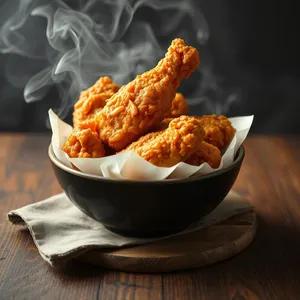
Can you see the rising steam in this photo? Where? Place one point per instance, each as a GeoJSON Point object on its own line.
{"type": "Point", "coordinates": [72, 47]}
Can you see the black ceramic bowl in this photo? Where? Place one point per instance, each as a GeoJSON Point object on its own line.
{"type": "Point", "coordinates": [145, 209]}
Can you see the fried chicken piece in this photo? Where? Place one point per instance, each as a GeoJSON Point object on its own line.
{"type": "Point", "coordinates": [179, 107]}
{"type": "Point", "coordinates": [218, 130]}
{"type": "Point", "coordinates": [93, 100]}
{"type": "Point", "coordinates": [168, 147]}
{"type": "Point", "coordinates": [144, 102]}
{"type": "Point", "coordinates": [84, 143]}
{"type": "Point", "coordinates": [206, 153]}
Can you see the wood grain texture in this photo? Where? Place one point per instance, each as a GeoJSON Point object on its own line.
{"type": "Point", "coordinates": [193, 250]}
{"type": "Point", "coordinates": [268, 269]}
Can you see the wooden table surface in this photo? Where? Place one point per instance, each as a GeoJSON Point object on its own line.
{"type": "Point", "coordinates": [268, 269]}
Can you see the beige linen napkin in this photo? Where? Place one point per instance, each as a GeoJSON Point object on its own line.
{"type": "Point", "coordinates": [61, 232]}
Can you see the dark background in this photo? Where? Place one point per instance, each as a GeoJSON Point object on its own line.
{"type": "Point", "coordinates": [254, 48]}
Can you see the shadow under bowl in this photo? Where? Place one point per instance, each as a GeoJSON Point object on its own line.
{"type": "Point", "coordinates": [146, 208]}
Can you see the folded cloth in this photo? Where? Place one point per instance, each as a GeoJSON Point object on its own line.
{"type": "Point", "coordinates": [61, 231]}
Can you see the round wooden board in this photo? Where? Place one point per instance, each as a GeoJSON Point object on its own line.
{"type": "Point", "coordinates": [193, 250]}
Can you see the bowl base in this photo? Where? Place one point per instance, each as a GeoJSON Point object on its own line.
{"type": "Point", "coordinates": [145, 234]}
{"type": "Point", "coordinates": [192, 250]}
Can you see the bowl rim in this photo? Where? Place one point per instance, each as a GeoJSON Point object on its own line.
{"type": "Point", "coordinates": [239, 158]}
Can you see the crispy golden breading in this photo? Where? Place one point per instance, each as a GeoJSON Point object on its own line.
{"type": "Point", "coordinates": [218, 130]}
{"type": "Point", "coordinates": [93, 100]}
{"type": "Point", "coordinates": [179, 107]}
{"type": "Point", "coordinates": [168, 147]}
{"type": "Point", "coordinates": [206, 153]}
{"type": "Point", "coordinates": [84, 143]}
{"type": "Point", "coordinates": [142, 103]}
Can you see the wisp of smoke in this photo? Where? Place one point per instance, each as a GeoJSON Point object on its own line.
{"type": "Point", "coordinates": [72, 47]}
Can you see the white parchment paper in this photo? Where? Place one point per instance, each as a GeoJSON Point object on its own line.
{"type": "Point", "coordinates": [129, 165]}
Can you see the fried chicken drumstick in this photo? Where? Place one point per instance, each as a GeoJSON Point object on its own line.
{"type": "Point", "coordinates": [144, 102]}
{"type": "Point", "coordinates": [93, 100]}
{"type": "Point", "coordinates": [168, 147]}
